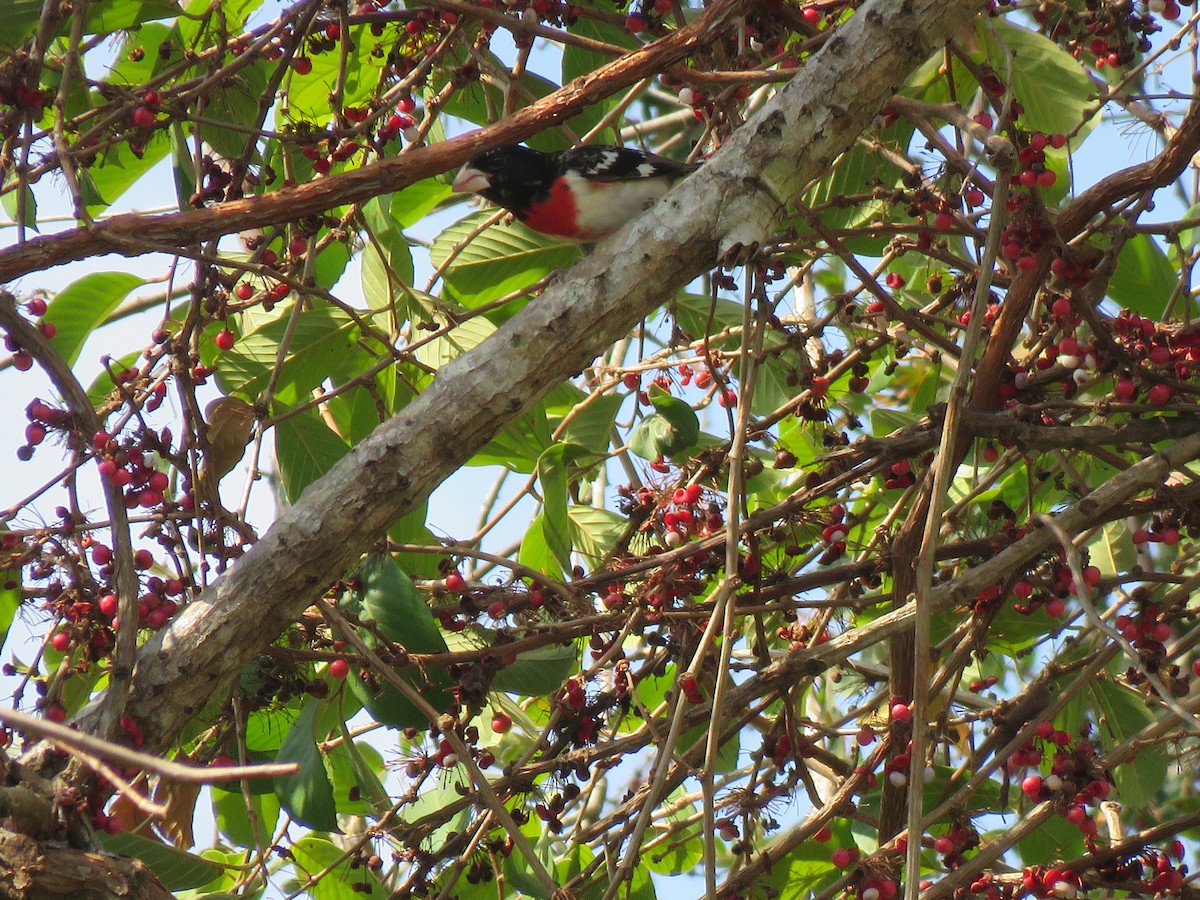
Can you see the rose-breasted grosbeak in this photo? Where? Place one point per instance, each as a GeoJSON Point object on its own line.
{"type": "Point", "coordinates": [582, 195]}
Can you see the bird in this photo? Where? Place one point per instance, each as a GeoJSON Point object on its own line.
{"type": "Point", "coordinates": [579, 195]}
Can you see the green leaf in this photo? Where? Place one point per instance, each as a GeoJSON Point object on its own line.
{"type": "Point", "coordinates": [535, 552]}
{"type": "Point", "coordinates": [411, 529]}
{"type": "Point", "coordinates": [1052, 86]}
{"type": "Point", "coordinates": [594, 532]}
{"type": "Point", "coordinates": [79, 308]}
{"type": "Point", "coordinates": [589, 418]}
{"type": "Point", "coordinates": [236, 100]}
{"type": "Point", "coordinates": [461, 338]}
{"type": "Point", "coordinates": [347, 775]}
{"type": "Point", "coordinates": [305, 449]}
{"type": "Point", "coordinates": [802, 872]}
{"type": "Point", "coordinates": [233, 821]}
{"type": "Point", "coordinates": [120, 15]}
{"type": "Point", "coordinates": [552, 468]}
{"type": "Point", "coordinates": [118, 169]}
{"type": "Point", "coordinates": [308, 795]}
{"type": "Point", "coordinates": [497, 262]}
{"type": "Point", "coordinates": [387, 253]}
{"type": "Point", "coordinates": [519, 446]}
{"type": "Point", "coordinates": [538, 672]}
{"type": "Point", "coordinates": [313, 855]}
{"type": "Point", "coordinates": [10, 596]}
{"type": "Point", "coordinates": [415, 202]}
{"type": "Point", "coordinates": [12, 207]}
{"type": "Point", "coordinates": [577, 62]}
{"type": "Point", "coordinates": [175, 868]}
{"type": "Point", "coordinates": [1144, 278]}
{"type": "Point", "coordinates": [1054, 840]}
{"type": "Point", "coordinates": [19, 22]}
{"type": "Point", "coordinates": [671, 430]}
{"type": "Point", "coordinates": [389, 598]}
{"type": "Point", "coordinates": [1140, 780]}
{"type": "Point", "coordinates": [322, 345]}
{"type": "Point", "coordinates": [861, 172]}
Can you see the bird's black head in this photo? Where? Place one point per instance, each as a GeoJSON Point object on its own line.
{"type": "Point", "coordinates": [511, 176]}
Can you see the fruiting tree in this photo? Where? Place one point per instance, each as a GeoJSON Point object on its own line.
{"type": "Point", "coordinates": [840, 542]}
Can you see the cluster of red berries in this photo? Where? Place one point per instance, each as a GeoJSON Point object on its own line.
{"type": "Point", "coordinates": [1110, 34]}
{"type": "Point", "coordinates": [1026, 234]}
{"type": "Point", "coordinates": [899, 475]}
{"type": "Point", "coordinates": [834, 534]}
{"type": "Point", "coordinates": [954, 844]}
{"type": "Point", "coordinates": [127, 466]}
{"type": "Point", "coordinates": [22, 359]}
{"type": "Point", "coordinates": [1075, 781]}
{"type": "Point", "coordinates": [43, 418]}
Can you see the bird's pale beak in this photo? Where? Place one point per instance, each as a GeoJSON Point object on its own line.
{"type": "Point", "coordinates": [470, 180]}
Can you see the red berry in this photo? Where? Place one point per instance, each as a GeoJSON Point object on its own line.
{"type": "Point", "coordinates": [339, 668]}
{"type": "Point", "coordinates": [501, 722]}
{"type": "Point", "coordinates": [143, 116]}
{"type": "Point", "coordinates": [225, 339]}
{"type": "Point", "coordinates": [1159, 394]}
{"type": "Point", "coordinates": [61, 641]}
{"type": "Point", "coordinates": [455, 582]}
{"type": "Point", "coordinates": [901, 712]}
{"type": "Point", "coordinates": [302, 64]}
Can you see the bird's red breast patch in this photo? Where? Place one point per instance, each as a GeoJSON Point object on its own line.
{"type": "Point", "coordinates": [557, 214]}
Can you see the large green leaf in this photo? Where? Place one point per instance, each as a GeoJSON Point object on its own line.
{"type": "Point", "coordinates": [230, 811]}
{"type": "Point", "coordinates": [538, 672]}
{"type": "Point", "coordinates": [594, 532]}
{"type": "Point", "coordinates": [10, 597]}
{"type": "Point", "coordinates": [519, 445]}
{"type": "Point", "coordinates": [589, 418]}
{"type": "Point", "coordinates": [535, 552]}
{"type": "Point", "coordinates": [175, 868]}
{"type": "Point", "coordinates": [118, 169]}
{"type": "Point", "coordinates": [1144, 278]}
{"type": "Point", "coordinates": [859, 172]}
{"type": "Point", "coordinates": [314, 855]}
{"type": "Point", "coordinates": [1052, 86]}
{"type": "Point", "coordinates": [455, 342]}
{"type": "Point", "coordinates": [83, 305]}
{"type": "Point", "coordinates": [120, 15]}
{"type": "Point", "coordinates": [579, 61]}
{"type": "Point", "coordinates": [1140, 780]}
{"type": "Point", "coordinates": [19, 21]}
{"type": "Point", "coordinates": [497, 262]}
{"type": "Point", "coordinates": [308, 795]}
{"type": "Point", "coordinates": [673, 427]}
{"type": "Point", "coordinates": [305, 449]}
{"type": "Point", "coordinates": [23, 214]}
{"type": "Point", "coordinates": [321, 346]}
{"type": "Point", "coordinates": [387, 259]}
{"type": "Point", "coordinates": [237, 101]}
{"type": "Point", "coordinates": [389, 598]}
{"type": "Point", "coordinates": [553, 473]}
